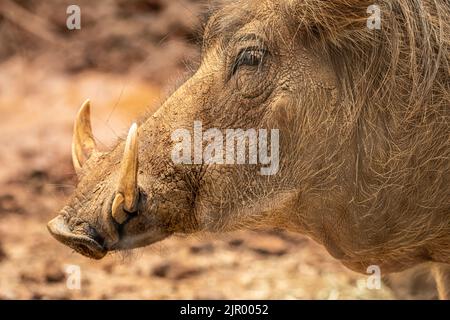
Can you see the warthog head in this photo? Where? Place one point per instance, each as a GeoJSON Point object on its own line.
{"type": "Point", "coordinates": [345, 100]}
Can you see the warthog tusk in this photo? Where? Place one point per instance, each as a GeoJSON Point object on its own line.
{"type": "Point", "coordinates": [126, 195]}
{"type": "Point", "coordinates": [83, 143]}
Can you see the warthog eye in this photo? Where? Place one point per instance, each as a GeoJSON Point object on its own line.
{"type": "Point", "coordinates": [252, 57]}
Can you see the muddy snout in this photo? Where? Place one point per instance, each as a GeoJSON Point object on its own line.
{"type": "Point", "coordinates": [85, 244]}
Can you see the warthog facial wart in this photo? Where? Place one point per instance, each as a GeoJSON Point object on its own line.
{"type": "Point", "coordinates": [236, 146]}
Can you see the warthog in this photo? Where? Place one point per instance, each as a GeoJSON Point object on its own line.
{"type": "Point", "coordinates": [364, 140]}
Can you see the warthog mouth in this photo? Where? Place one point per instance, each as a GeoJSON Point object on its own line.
{"type": "Point", "coordinates": [86, 245]}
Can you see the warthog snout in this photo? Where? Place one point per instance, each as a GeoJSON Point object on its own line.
{"type": "Point", "coordinates": [85, 244]}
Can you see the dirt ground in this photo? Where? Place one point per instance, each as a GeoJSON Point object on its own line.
{"type": "Point", "coordinates": [40, 92]}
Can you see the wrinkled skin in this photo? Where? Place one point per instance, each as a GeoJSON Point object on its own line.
{"type": "Point", "coordinates": [326, 160]}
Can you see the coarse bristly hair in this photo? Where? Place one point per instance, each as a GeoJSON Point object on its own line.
{"type": "Point", "coordinates": [395, 83]}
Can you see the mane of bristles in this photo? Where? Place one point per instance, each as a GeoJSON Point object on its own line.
{"type": "Point", "coordinates": [395, 83]}
{"type": "Point", "coordinates": [406, 62]}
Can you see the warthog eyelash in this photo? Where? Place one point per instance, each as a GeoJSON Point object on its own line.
{"type": "Point", "coordinates": [251, 56]}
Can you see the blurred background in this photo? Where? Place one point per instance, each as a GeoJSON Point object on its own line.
{"type": "Point", "coordinates": [126, 57]}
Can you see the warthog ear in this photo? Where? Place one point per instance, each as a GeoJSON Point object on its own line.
{"type": "Point", "coordinates": [83, 143]}
{"type": "Point", "coordinates": [126, 197]}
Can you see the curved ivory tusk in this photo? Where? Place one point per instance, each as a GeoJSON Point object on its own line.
{"type": "Point", "coordinates": [127, 191]}
{"type": "Point", "coordinates": [83, 143]}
